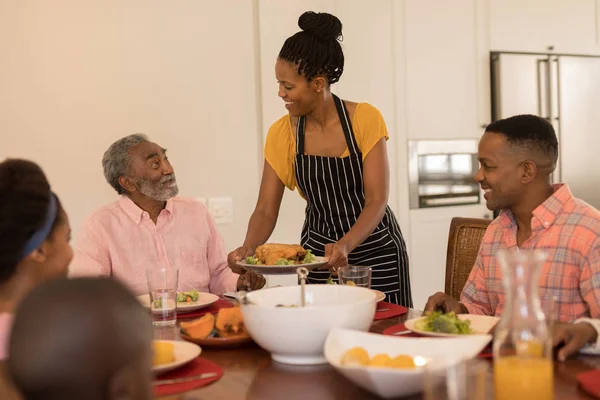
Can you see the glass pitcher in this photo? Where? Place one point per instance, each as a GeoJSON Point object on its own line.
{"type": "Point", "coordinates": [522, 344]}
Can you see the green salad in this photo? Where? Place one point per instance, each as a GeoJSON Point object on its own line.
{"type": "Point", "coordinates": [187, 297]}
{"type": "Point", "coordinates": [252, 260]}
{"type": "Point", "coordinates": [308, 258]}
{"type": "Point", "coordinates": [439, 322]}
{"type": "Point", "coordinates": [182, 297]}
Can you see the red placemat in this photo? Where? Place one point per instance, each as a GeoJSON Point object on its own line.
{"type": "Point", "coordinates": [195, 367]}
{"type": "Point", "coordinates": [590, 382]}
{"type": "Point", "coordinates": [213, 308]}
{"type": "Point", "coordinates": [394, 330]}
{"type": "Point", "coordinates": [393, 310]}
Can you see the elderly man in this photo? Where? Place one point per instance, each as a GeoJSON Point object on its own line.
{"type": "Point", "coordinates": [149, 227]}
{"type": "Point", "coordinates": [517, 157]}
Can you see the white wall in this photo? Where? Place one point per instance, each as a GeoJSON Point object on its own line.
{"type": "Point", "coordinates": [77, 74]}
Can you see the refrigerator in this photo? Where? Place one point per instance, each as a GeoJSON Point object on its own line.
{"type": "Point", "coordinates": [565, 90]}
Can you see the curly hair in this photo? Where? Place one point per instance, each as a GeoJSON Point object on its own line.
{"type": "Point", "coordinates": [316, 49]}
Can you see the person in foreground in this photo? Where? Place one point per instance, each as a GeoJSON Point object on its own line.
{"type": "Point", "coordinates": [150, 227]}
{"type": "Point", "coordinates": [518, 156]}
{"type": "Point", "coordinates": [34, 243]}
{"type": "Point", "coordinates": [334, 152]}
{"type": "Point", "coordinates": [86, 338]}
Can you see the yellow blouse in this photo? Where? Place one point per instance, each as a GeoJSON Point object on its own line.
{"type": "Point", "coordinates": [280, 148]}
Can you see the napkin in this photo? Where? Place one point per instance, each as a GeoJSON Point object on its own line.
{"type": "Point", "coordinates": [213, 309]}
{"type": "Point", "coordinates": [195, 367]}
{"type": "Point", "coordinates": [590, 382]}
{"type": "Point", "coordinates": [393, 310]}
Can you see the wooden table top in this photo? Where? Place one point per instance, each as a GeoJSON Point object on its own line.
{"type": "Point", "coordinates": [249, 373]}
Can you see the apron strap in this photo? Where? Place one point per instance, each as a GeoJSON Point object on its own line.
{"type": "Point", "coordinates": [346, 125]}
{"type": "Point", "coordinates": [300, 134]}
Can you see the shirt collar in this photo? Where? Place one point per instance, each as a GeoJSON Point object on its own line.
{"type": "Point", "coordinates": [546, 213]}
{"type": "Point", "coordinates": [136, 213]}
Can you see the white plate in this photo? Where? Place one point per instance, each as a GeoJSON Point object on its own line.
{"type": "Point", "coordinates": [204, 300]}
{"type": "Point", "coordinates": [184, 353]}
{"type": "Point", "coordinates": [391, 382]}
{"type": "Point", "coordinates": [380, 296]}
{"type": "Point", "coordinates": [283, 269]}
{"type": "Point", "coordinates": [480, 324]}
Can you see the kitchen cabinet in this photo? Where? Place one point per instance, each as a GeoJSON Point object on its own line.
{"type": "Point", "coordinates": [429, 229]}
{"type": "Point", "coordinates": [568, 26]}
{"type": "Point", "coordinates": [441, 69]}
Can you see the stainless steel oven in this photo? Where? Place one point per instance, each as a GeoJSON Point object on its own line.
{"type": "Point", "coordinates": [442, 173]}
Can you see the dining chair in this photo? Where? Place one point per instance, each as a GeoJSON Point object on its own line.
{"type": "Point", "coordinates": [463, 245]}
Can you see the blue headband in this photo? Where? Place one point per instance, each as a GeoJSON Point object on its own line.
{"type": "Point", "coordinates": [41, 234]}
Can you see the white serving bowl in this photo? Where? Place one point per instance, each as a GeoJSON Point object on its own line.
{"type": "Point", "coordinates": [391, 382]}
{"type": "Point", "coordinates": [297, 335]}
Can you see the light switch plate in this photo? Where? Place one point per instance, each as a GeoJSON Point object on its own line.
{"type": "Point", "coordinates": [221, 209]}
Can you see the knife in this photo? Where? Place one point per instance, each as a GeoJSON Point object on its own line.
{"type": "Point", "coordinates": [185, 379]}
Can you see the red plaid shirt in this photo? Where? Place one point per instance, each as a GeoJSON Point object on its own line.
{"type": "Point", "coordinates": [568, 230]}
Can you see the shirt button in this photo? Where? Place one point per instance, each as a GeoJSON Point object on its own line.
{"type": "Point", "coordinates": [546, 224]}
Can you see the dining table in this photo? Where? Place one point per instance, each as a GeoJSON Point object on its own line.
{"type": "Point", "coordinates": [250, 373]}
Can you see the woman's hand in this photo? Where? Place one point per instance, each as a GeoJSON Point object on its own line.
{"type": "Point", "coordinates": [336, 255]}
{"type": "Point", "coordinates": [250, 281]}
{"type": "Point", "coordinates": [237, 255]}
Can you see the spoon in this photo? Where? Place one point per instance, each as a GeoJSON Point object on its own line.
{"type": "Point", "coordinates": [302, 274]}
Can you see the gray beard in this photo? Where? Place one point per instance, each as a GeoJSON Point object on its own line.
{"type": "Point", "coordinates": [156, 191]}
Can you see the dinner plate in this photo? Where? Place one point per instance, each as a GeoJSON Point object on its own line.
{"type": "Point", "coordinates": [218, 342]}
{"type": "Point", "coordinates": [480, 324]}
{"type": "Point", "coordinates": [184, 353]}
{"type": "Point", "coordinates": [204, 300]}
{"type": "Point", "coordinates": [380, 296]}
{"type": "Point", "coordinates": [283, 269]}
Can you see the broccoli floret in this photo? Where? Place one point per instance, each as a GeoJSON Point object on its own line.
{"type": "Point", "coordinates": [252, 260]}
{"type": "Point", "coordinates": [445, 324]}
{"type": "Point", "coordinates": [308, 258]}
{"type": "Point", "coordinates": [193, 294]}
{"type": "Point", "coordinates": [284, 261]}
{"type": "Point", "coordinates": [180, 297]}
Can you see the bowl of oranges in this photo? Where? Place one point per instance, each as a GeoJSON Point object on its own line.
{"type": "Point", "coordinates": [391, 366]}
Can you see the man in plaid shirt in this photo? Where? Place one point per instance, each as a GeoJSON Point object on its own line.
{"type": "Point", "coordinates": [517, 156]}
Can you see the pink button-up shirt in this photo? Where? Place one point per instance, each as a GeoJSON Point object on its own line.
{"type": "Point", "coordinates": [121, 240]}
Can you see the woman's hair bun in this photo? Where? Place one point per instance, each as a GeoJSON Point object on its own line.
{"type": "Point", "coordinates": [322, 25]}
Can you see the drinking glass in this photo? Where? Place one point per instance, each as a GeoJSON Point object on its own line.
{"type": "Point", "coordinates": [359, 276]}
{"type": "Point", "coordinates": [162, 285]}
{"type": "Point", "coordinates": [452, 379]}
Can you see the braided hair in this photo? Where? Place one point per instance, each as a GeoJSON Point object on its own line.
{"type": "Point", "coordinates": [316, 49]}
{"type": "Point", "coordinates": [24, 201]}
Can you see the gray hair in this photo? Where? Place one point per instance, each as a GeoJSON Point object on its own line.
{"type": "Point", "coordinates": [117, 162]}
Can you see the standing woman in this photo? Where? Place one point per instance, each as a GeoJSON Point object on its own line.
{"type": "Point", "coordinates": [334, 152]}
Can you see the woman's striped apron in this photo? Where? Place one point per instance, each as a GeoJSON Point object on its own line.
{"type": "Point", "coordinates": [333, 188]}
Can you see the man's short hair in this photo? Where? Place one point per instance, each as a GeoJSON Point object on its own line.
{"type": "Point", "coordinates": [117, 162]}
{"type": "Point", "coordinates": [529, 132]}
